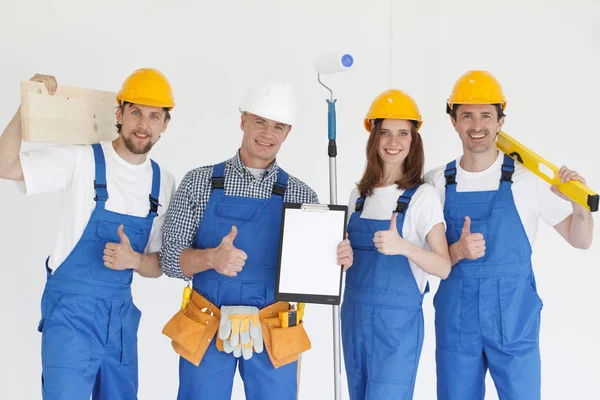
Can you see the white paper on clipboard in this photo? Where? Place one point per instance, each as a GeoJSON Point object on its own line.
{"type": "Point", "coordinates": [308, 269]}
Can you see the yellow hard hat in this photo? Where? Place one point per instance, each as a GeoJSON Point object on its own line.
{"type": "Point", "coordinates": [393, 104]}
{"type": "Point", "coordinates": [476, 87]}
{"type": "Point", "coordinates": [148, 87]}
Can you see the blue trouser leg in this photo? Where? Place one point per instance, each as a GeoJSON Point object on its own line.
{"type": "Point", "coordinates": [397, 342]}
{"type": "Point", "coordinates": [66, 384]}
{"type": "Point", "coordinates": [262, 381]}
{"type": "Point", "coordinates": [516, 375]}
{"type": "Point", "coordinates": [212, 380]}
{"type": "Point", "coordinates": [89, 347]}
{"type": "Point", "coordinates": [117, 378]}
{"type": "Point", "coordinates": [460, 375]}
{"type": "Point", "coordinates": [353, 343]}
{"type": "Point", "coordinates": [70, 346]}
{"type": "Point", "coordinates": [382, 348]}
{"type": "Point", "coordinates": [460, 360]}
{"type": "Point", "coordinates": [513, 352]}
{"type": "Point", "coordinates": [495, 323]}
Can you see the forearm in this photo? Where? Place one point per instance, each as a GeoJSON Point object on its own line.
{"type": "Point", "coordinates": [429, 261]}
{"type": "Point", "coordinates": [10, 147]}
{"type": "Point", "coordinates": [581, 229]}
{"type": "Point", "coordinates": [194, 261]}
{"type": "Point", "coordinates": [148, 266]}
{"type": "Point", "coordinates": [455, 254]}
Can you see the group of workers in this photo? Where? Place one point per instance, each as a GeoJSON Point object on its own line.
{"type": "Point", "coordinates": [471, 223]}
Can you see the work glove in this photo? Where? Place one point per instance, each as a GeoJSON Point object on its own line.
{"type": "Point", "coordinates": [240, 330]}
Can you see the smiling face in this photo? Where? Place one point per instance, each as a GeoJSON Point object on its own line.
{"type": "Point", "coordinates": [477, 126]}
{"type": "Point", "coordinates": [141, 126]}
{"type": "Point", "coordinates": [262, 139]}
{"type": "Point", "coordinates": [394, 142]}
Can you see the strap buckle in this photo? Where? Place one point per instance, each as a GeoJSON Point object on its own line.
{"type": "Point", "coordinates": [154, 204]}
{"type": "Point", "coordinates": [402, 204]}
{"type": "Point", "coordinates": [218, 182]}
{"type": "Point", "coordinates": [507, 173]}
{"type": "Point", "coordinates": [101, 186]}
{"type": "Point", "coordinates": [450, 175]}
{"type": "Point", "coordinates": [279, 189]}
{"type": "Point", "coordinates": [360, 203]}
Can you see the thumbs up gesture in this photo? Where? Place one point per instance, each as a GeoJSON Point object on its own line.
{"type": "Point", "coordinates": [229, 260]}
{"type": "Point", "coordinates": [121, 256]}
{"type": "Point", "coordinates": [470, 245]}
{"type": "Point", "coordinates": [390, 242]}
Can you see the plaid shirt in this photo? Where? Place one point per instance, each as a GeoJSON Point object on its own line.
{"type": "Point", "coordinates": [188, 205]}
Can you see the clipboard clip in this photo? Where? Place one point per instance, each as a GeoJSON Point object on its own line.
{"type": "Point", "coordinates": [315, 207]}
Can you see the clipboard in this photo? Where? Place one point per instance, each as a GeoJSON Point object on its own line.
{"type": "Point", "coordinates": [307, 269]}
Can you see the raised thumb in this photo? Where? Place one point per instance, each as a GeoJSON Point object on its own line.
{"type": "Point", "coordinates": [393, 223]}
{"type": "Point", "coordinates": [233, 233]}
{"type": "Point", "coordinates": [122, 235]}
{"type": "Point", "coordinates": [467, 226]}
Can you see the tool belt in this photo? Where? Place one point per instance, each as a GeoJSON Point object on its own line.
{"type": "Point", "coordinates": [192, 330]}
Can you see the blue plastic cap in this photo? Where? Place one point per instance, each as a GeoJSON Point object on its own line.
{"type": "Point", "coordinates": [347, 60]}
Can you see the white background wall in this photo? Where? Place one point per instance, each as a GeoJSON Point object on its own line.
{"type": "Point", "coordinates": [545, 53]}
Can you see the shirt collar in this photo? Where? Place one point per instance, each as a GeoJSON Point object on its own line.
{"type": "Point", "coordinates": [243, 171]}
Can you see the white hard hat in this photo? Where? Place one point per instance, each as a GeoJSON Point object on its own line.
{"type": "Point", "coordinates": [273, 100]}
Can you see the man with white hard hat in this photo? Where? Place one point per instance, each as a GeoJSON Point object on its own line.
{"type": "Point", "coordinates": [222, 232]}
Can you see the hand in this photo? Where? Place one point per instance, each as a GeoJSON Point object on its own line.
{"type": "Point", "coordinates": [390, 242]}
{"type": "Point", "coordinates": [228, 259]}
{"type": "Point", "coordinates": [566, 175]}
{"type": "Point", "coordinates": [345, 255]}
{"type": "Point", "coordinates": [470, 245]}
{"type": "Point", "coordinates": [121, 256]}
{"type": "Point", "coordinates": [48, 81]}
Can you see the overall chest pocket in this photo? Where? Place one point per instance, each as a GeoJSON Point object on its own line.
{"type": "Point", "coordinates": [107, 232]}
{"type": "Point", "coordinates": [482, 217]}
{"type": "Point", "coordinates": [251, 224]}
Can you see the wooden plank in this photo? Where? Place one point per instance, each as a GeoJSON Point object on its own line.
{"type": "Point", "coordinates": [71, 116]}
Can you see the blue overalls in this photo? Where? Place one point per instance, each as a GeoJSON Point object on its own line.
{"type": "Point", "coordinates": [487, 313]}
{"type": "Point", "coordinates": [258, 222]}
{"type": "Point", "coordinates": [382, 318]}
{"type": "Point", "coordinates": [89, 322]}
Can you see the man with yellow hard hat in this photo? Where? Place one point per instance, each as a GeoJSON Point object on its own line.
{"type": "Point", "coordinates": [488, 309]}
{"type": "Point", "coordinates": [111, 227]}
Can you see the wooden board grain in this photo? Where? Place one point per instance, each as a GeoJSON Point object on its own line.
{"type": "Point", "coordinates": [71, 116]}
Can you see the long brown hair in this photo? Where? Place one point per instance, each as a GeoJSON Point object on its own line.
{"type": "Point", "coordinates": [414, 163]}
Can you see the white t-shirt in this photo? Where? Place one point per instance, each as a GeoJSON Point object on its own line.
{"type": "Point", "coordinates": [532, 195]}
{"type": "Point", "coordinates": [71, 170]}
{"type": "Point", "coordinates": [257, 173]}
{"type": "Point", "coordinates": [423, 213]}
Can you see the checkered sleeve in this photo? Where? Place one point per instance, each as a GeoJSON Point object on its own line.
{"type": "Point", "coordinates": [183, 219]}
{"type": "Point", "coordinates": [300, 192]}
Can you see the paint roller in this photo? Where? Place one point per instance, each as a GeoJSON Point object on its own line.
{"type": "Point", "coordinates": [329, 64]}
{"type": "Point", "coordinates": [333, 62]}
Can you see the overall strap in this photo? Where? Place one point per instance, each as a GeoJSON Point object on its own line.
{"type": "Point", "coordinates": [155, 190]}
{"type": "Point", "coordinates": [100, 177]}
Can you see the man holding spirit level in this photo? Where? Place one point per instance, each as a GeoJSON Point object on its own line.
{"type": "Point", "coordinates": [488, 310]}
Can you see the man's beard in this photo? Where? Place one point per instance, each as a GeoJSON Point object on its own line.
{"type": "Point", "coordinates": [137, 150]}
